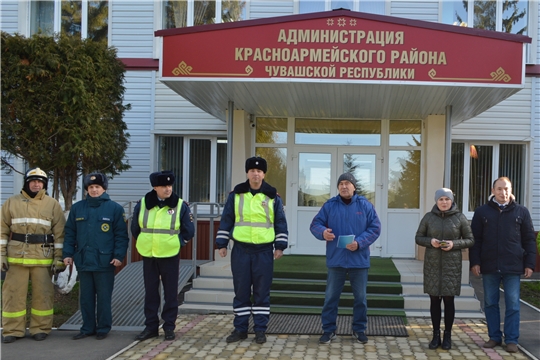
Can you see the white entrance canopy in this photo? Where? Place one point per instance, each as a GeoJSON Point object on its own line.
{"type": "Point", "coordinates": [339, 100]}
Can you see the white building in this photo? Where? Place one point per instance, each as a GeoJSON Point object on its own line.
{"type": "Point", "coordinates": [393, 133]}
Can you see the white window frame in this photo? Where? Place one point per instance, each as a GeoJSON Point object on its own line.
{"type": "Point", "coordinates": [57, 21]}
{"type": "Point", "coordinates": [532, 24]}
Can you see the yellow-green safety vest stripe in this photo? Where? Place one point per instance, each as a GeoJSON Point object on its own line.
{"type": "Point", "coordinates": [254, 218]}
{"type": "Point", "coordinates": [160, 228]}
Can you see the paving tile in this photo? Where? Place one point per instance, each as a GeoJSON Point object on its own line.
{"type": "Point", "coordinates": [203, 337]}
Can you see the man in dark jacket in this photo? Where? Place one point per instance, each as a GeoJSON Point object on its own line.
{"type": "Point", "coordinates": [253, 217]}
{"type": "Point", "coordinates": [349, 224]}
{"type": "Point", "coordinates": [96, 240]}
{"type": "Point", "coordinates": [162, 224]}
{"type": "Point", "coordinates": [504, 249]}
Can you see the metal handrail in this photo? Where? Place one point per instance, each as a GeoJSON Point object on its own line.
{"type": "Point", "coordinates": [194, 206]}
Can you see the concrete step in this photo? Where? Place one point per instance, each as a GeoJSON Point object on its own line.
{"type": "Point", "coordinates": [217, 269]}
{"type": "Point", "coordinates": [213, 290]}
{"type": "Point", "coordinates": [418, 289]}
{"type": "Point", "coordinates": [208, 283]}
{"type": "Point", "coordinates": [201, 296]}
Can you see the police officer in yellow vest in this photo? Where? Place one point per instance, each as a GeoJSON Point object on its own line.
{"type": "Point", "coordinates": [31, 243]}
{"type": "Point", "coordinates": [162, 223]}
{"type": "Point", "coordinates": [254, 219]}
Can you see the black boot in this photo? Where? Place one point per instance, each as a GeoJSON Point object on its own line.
{"type": "Point", "coordinates": [436, 341]}
{"type": "Point", "coordinates": [447, 340]}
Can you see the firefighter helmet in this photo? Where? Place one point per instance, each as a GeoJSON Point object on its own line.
{"type": "Point", "coordinates": [36, 174]}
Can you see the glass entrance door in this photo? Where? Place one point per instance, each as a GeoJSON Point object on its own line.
{"type": "Point", "coordinates": [317, 171]}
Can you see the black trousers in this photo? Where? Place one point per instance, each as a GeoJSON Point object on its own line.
{"type": "Point", "coordinates": [166, 269]}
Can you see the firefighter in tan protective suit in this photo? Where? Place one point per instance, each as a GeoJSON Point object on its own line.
{"type": "Point", "coordinates": [31, 240]}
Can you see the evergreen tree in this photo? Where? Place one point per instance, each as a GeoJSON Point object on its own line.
{"type": "Point", "coordinates": [62, 107]}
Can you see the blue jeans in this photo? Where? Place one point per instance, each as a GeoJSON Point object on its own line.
{"type": "Point", "coordinates": [491, 306]}
{"type": "Point", "coordinates": [334, 286]}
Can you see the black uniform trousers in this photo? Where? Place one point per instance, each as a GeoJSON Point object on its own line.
{"type": "Point", "coordinates": [252, 268]}
{"type": "Point", "coordinates": [168, 270]}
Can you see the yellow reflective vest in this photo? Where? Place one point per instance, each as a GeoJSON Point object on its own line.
{"type": "Point", "coordinates": [159, 231]}
{"type": "Point", "coordinates": [254, 218]}
{"type": "Point", "coordinates": [40, 215]}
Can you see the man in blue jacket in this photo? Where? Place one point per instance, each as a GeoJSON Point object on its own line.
{"type": "Point", "coordinates": [504, 249]}
{"type": "Point", "coordinates": [96, 240]}
{"type": "Point", "coordinates": [253, 217]}
{"type": "Point", "coordinates": [353, 217]}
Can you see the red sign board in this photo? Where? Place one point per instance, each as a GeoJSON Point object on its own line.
{"type": "Point", "coordinates": [342, 47]}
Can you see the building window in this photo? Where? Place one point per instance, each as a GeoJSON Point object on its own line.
{"type": "Point", "coordinates": [337, 132]}
{"type": "Point", "coordinates": [271, 131]}
{"type": "Point", "coordinates": [404, 164]}
{"type": "Point", "coordinates": [500, 15]}
{"type": "Point", "coordinates": [86, 19]}
{"type": "Point", "coordinates": [204, 180]}
{"type": "Point", "coordinates": [476, 166]}
{"type": "Point", "coordinates": [367, 6]}
{"type": "Point", "coordinates": [177, 14]}
{"type": "Point", "coordinates": [277, 168]}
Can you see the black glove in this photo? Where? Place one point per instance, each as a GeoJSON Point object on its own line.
{"type": "Point", "coordinates": [5, 265]}
{"type": "Point", "coordinates": [57, 266]}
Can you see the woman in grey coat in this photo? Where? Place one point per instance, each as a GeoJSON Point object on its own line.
{"type": "Point", "coordinates": [443, 231]}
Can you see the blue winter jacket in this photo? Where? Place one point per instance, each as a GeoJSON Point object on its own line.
{"type": "Point", "coordinates": [357, 218]}
{"type": "Point", "coordinates": [95, 234]}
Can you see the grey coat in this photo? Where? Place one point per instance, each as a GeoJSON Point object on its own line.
{"type": "Point", "coordinates": [442, 269]}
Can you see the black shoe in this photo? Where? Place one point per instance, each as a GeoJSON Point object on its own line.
{"type": "Point", "coordinates": [327, 337]}
{"type": "Point", "coordinates": [80, 336]}
{"type": "Point", "coordinates": [146, 334]}
{"type": "Point", "coordinates": [9, 339]}
{"type": "Point", "coordinates": [436, 341]}
{"type": "Point", "coordinates": [170, 335]}
{"type": "Point", "coordinates": [260, 337]}
{"type": "Point", "coordinates": [360, 337]}
{"type": "Point", "coordinates": [447, 340]}
{"type": "Point", "coordinates": [236, 336]}
{"type": "Point", "coordinates": [40, 336]}
{"type": "Point", "coordinates": [101, 336]}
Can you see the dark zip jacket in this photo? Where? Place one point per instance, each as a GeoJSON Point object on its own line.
{"type": "Point", "coordinates": [504, 239]}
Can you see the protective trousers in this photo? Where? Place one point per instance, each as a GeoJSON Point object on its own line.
{"type": "Point", "coordinates": [14, 293]}
{"type": "Point", "coordinates": [251, 268]}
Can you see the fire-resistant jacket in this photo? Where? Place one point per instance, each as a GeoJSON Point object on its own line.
{"type": "Point", "coordinates": [256, 219]}
{"type": "Point", "coordinates": [503, 239]}
{"type": "Point", "coordinates": [96, 233]}
{"type": "Point", "coordinates": [41, 215]}
{"type": "Point", "coordinates": [357, 218]}
{"type": "Point", "coordinates": [442, 269]}
{"type": "Point", "coordinates": [161, 237]}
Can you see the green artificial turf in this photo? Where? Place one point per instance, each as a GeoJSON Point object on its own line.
{"type": "Point", "coordinates": [314, 267]}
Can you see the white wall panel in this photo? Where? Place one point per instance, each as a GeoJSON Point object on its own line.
{"type": "Point", "coordinates": [535, 208]}
{"type": "Point", "coordinates": [174, 114]}
{"type": "Point", "coordinates": [418, 10]}
{"type": "Point", "coordinates": [509, 120]}
{"type": "Point", "coordinates": [132, 184]}
{"type": "Point", "coordinates": [264, 9]}
{"type": "Point", "coordinates": [6, 185]}
{"type": "Point", "coordinates": [9, 13]}
{"type": "Point", "coordinates": [132, 28]}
